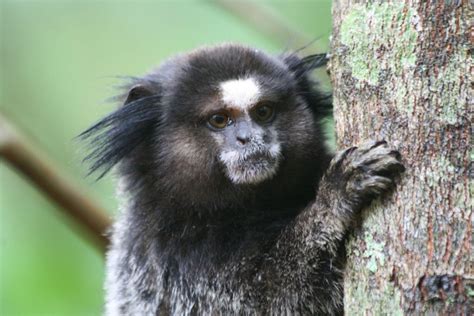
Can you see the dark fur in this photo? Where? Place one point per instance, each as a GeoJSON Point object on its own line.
{"type": "Point", "coordinates": [189, 241]}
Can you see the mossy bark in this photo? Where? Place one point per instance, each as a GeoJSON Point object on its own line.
{"type": "Point", "coordinates": [401, 72]}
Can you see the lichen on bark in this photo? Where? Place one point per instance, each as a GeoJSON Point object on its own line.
{"type": "Point", "coordinates": [392, 22]}
{"type": "Point", "coordinates": [401, 72]}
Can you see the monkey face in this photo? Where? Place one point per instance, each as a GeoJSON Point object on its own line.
{"type": "Point", "coordinates": [224, 114]}
{"type": "Point", "coordinates": [243, 129]}
{"type": "Point", "coordinates": [238, 99]}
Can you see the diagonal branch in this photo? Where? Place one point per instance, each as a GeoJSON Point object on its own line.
{"type": "Point", "coordinates": [33, 165]}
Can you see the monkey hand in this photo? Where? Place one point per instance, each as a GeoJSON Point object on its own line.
{"type": "Point", "coordinates": [360, 174]}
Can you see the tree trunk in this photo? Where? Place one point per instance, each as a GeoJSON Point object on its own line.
{"type": "Point", "coordinates": [401, 72]}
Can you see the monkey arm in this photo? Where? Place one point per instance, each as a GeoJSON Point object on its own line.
{"type": "Point", "coordinates": [309, 247]}
{"type": "Point", "coordinates": [354, 178]}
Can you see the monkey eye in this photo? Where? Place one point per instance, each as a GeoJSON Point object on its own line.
{"type": "Point", "coordinates": [263, 113]}
{"type": "Point", "coordinates": [219, 120]}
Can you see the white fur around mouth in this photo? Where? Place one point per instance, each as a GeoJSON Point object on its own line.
{"type": "Point", "coordinates": [251, 167]}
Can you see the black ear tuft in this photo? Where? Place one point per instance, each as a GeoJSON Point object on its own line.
{"type": "Point", "coordinates": [301, 66]}
{"type": "Point", "coordinates": [319, 101]}
{"type": "Point", "coordinates": [116, 135]}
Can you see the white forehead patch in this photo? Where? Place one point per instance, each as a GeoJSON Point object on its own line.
{"type": "Point", "coordinates": [240, 93]}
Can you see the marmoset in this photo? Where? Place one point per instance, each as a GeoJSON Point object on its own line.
{"type": "Point", "coordinates": [231, 203]}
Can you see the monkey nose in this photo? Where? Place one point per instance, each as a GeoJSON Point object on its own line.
{"type": "Point", "coordinates": [243, 139]}
{"type": "Point", "coordinates": [243, 132]}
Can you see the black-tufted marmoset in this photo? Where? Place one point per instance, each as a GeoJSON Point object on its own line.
{"type": "Point", "coordinates": [231, 204]}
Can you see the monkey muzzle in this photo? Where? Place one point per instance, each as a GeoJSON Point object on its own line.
{"type": "Point", "coordinates": [251, 164]}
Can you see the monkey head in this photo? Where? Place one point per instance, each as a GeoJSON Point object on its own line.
{"type": "Point", "coordinates": [220, 116]}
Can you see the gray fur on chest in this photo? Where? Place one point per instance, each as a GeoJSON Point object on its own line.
{"type": "Point", "coordinates": [153, 287]}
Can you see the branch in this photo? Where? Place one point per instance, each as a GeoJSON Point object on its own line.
{"type": "Point", "coordinates": [266, 21]}
{"type": "Point", "coordinates": [32, 164]}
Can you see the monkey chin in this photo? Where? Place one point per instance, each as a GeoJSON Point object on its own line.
{"type": "Point", "coordinates": [250, 169]}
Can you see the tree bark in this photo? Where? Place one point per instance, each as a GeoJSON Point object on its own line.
{"type": "Point", "coordinates": [401, 72]}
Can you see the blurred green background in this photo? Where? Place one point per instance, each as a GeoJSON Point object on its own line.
{"type": "Point", "coordinates": [59, 63]}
